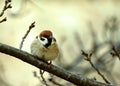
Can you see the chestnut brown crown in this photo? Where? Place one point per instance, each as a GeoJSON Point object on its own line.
{"type": "Point", "coordinates": [45, 33]}
{"type": "Point", "coordinates": [46, 38]}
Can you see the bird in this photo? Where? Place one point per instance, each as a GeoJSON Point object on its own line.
{"type": "Point", "coordinates": [45, 46]}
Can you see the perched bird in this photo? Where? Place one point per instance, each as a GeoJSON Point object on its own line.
{"type": "Point", "coordinates": [44, 46]}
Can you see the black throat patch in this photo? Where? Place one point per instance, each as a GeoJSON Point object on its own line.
{"type": "Point", "coordinates": [49, 42]}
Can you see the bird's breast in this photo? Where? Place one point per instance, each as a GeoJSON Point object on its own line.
{"type": "Point", "coordinates": [50, 53]}
{"type": "Point", "coordinates": [46, 54]}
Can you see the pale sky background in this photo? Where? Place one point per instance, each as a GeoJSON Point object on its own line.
{"type": "Point", "coordinates": [63, 17]}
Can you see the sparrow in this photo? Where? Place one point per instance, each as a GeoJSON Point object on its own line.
{"type": "Point", "coordinates": [44, 46]}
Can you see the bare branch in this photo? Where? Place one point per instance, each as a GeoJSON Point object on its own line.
{"type": "Point", "coordinates": [3, 20]}
{"type": "Point", "coordinates": [6, 6]}
{"type": "Point", "coordinates": [30, 27]}
{"type": "Point", "coordinates": [41, 73]}
{"type": "Point", "coordinates": [51, 79]}
{"type": "Point", "coordinates": [115, 52]}
{"type": "Point", "coordinates": [60, 72]}
{"type": "Point", "coordinates": [88, 58]}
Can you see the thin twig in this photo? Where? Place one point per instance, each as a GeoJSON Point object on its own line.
{"type": "Point", "coordinates": [6, 6]}
{"type": "Point", "coordinates": [30, 27]}
{"type": "Point", "coordinates": [43, 79]}
{"type": "Point", "coordinates": [38, 77]}
{"type": "Point", "coordinates": [51, 79]}
{"type": "Point", "coordinates": [88, 58]}
{"type": "Point", "coordinates": [3, 20]}
{"type": "Point", "coordinates": [115, 52]}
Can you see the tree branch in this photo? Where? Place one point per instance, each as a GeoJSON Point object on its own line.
{"type": "Point", "coordinates": [60, 72]}
{"type": "Point", "coordinates": [24, 37]}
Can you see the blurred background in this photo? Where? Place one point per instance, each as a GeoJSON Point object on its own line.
{"type": "Point", "coordinates": [89, 25]}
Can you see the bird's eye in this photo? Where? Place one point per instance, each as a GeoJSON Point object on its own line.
{"type": "Point", "coordinates": [42, 39]}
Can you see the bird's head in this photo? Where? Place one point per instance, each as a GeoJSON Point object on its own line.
{"type": "Point", "coordinates": [46, 38]}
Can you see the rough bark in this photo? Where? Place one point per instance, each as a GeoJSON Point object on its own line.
{"type": "Point", "coordinates": [58, 71]}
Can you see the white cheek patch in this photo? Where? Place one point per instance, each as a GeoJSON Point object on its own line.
{"type": "Point", "coordinates": [44, 42]}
